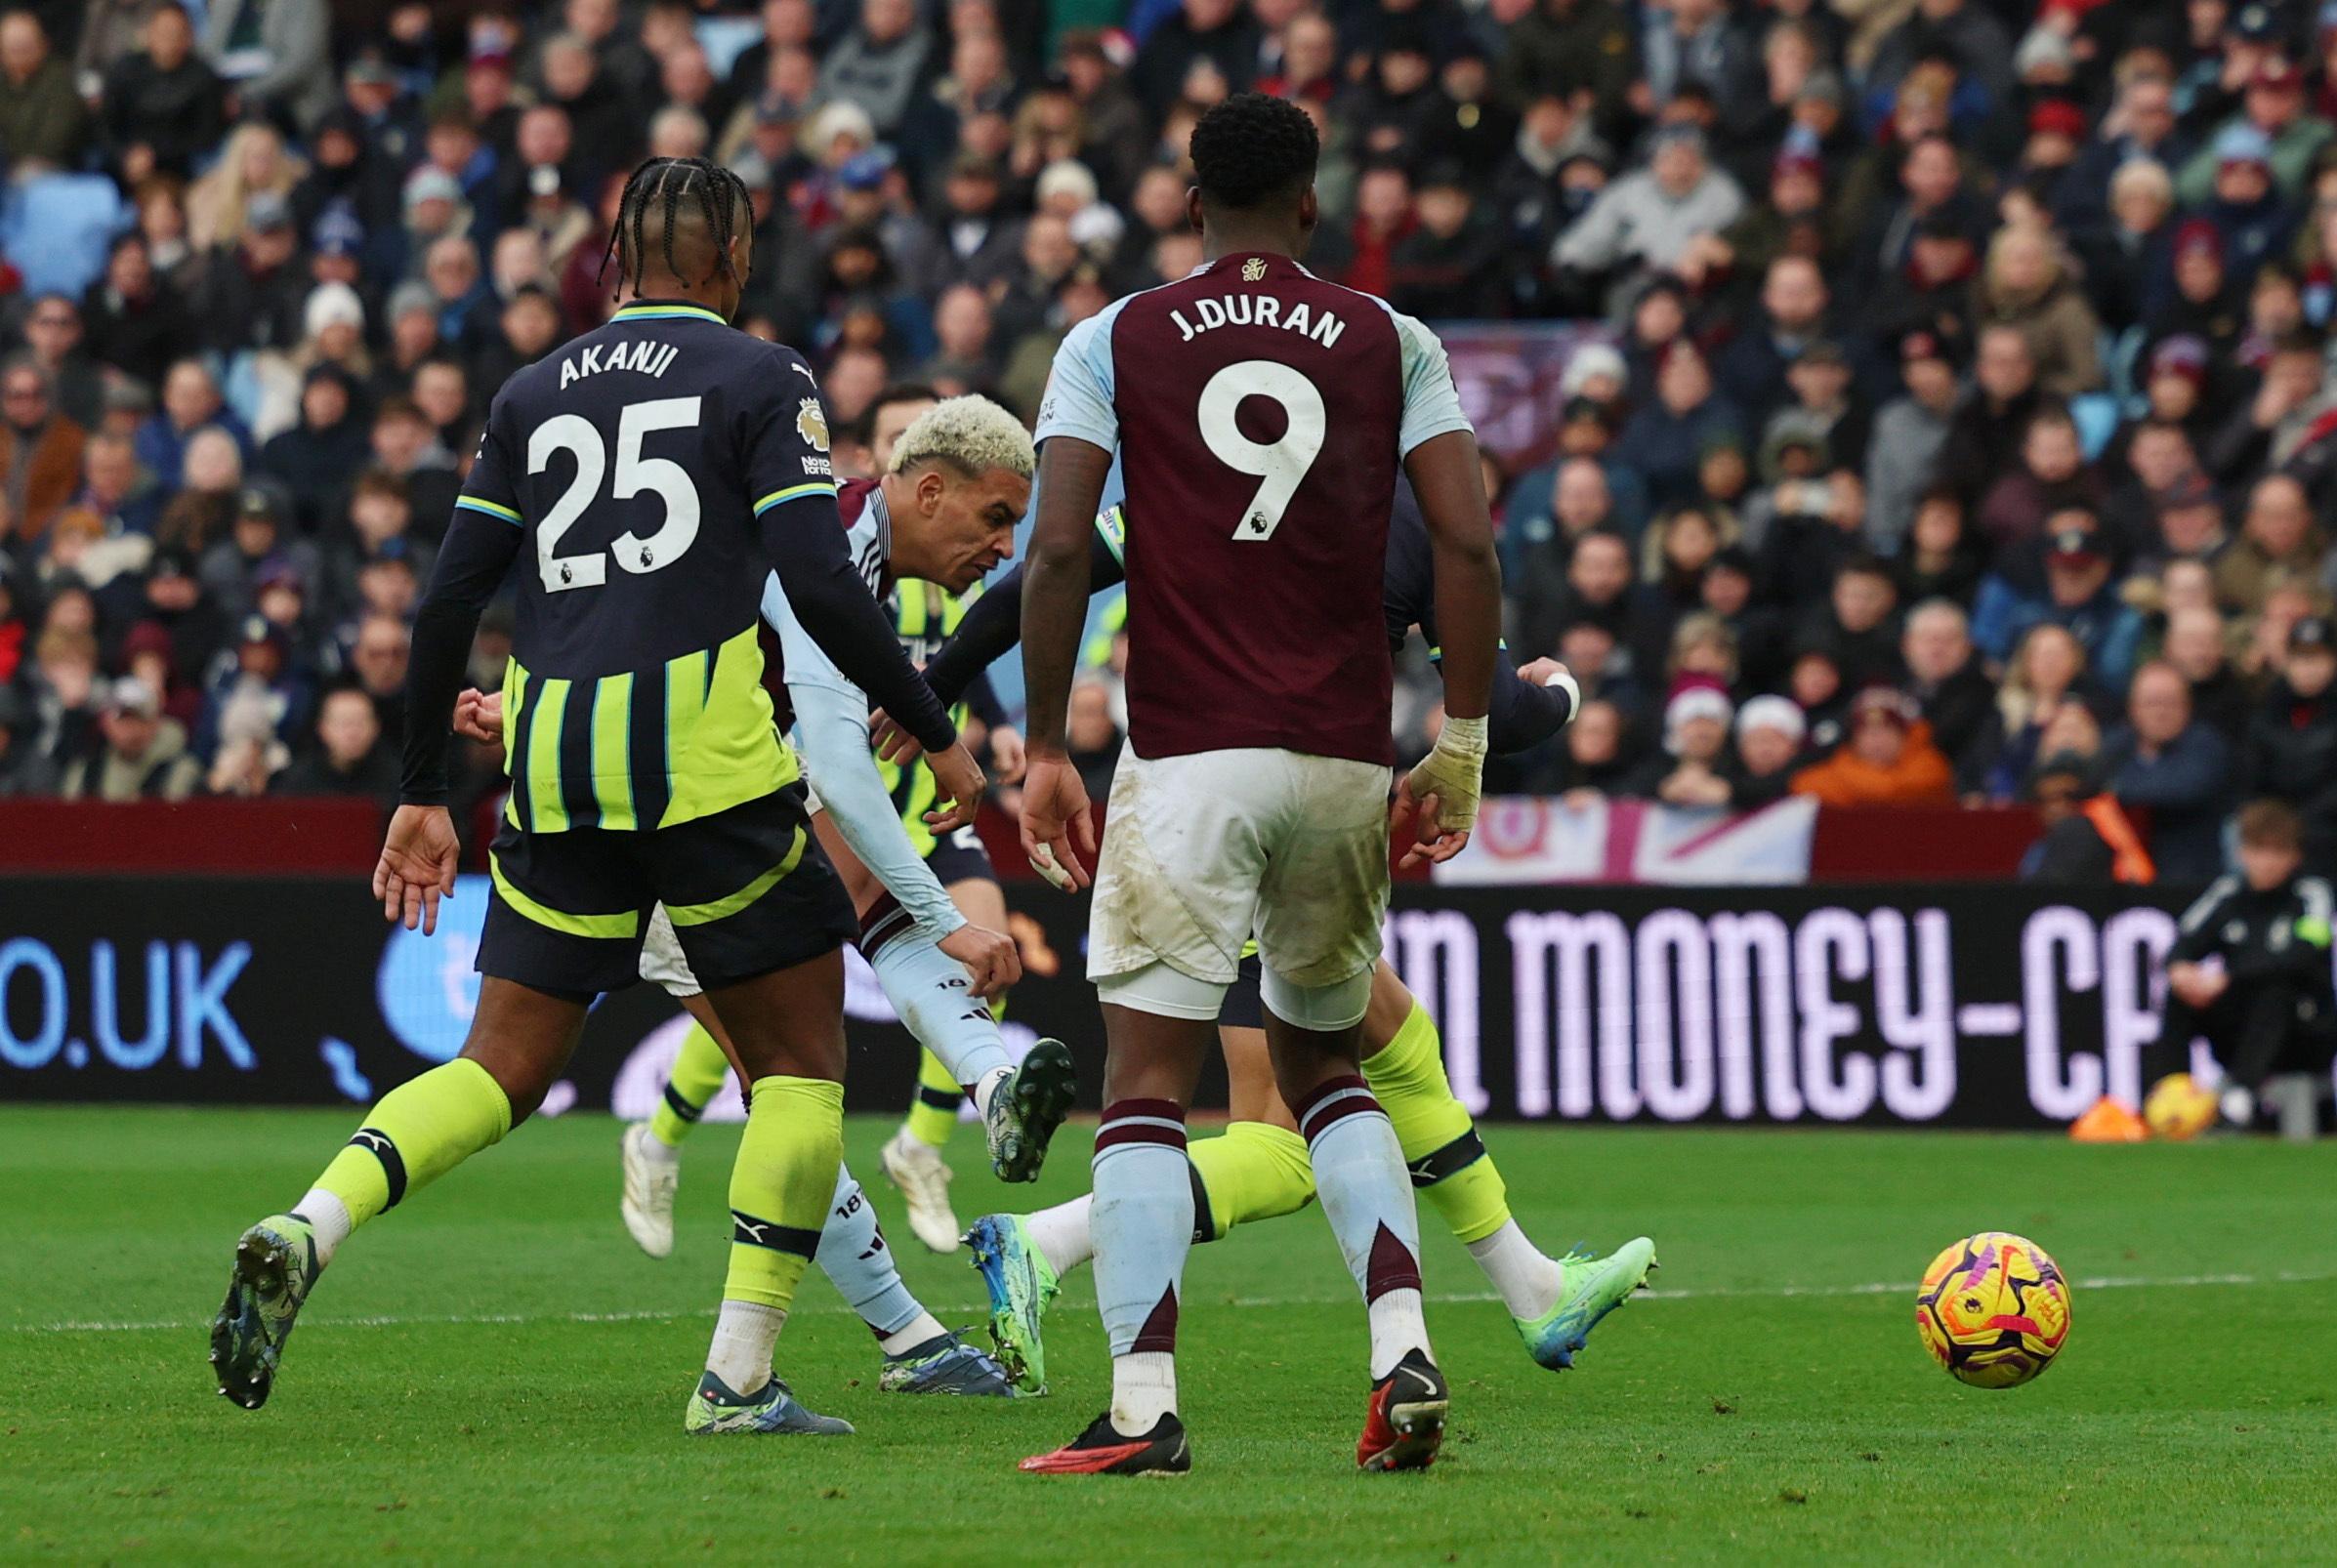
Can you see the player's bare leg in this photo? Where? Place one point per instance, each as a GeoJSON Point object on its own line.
{"type": "Point", "coordinates": [1143, 1222]}
{"type": "Point", "coordinates": [1366, 1196]}
{"type": "Point", "coordinates": [519, 1042]}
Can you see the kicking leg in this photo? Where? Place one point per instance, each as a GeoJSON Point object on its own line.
{"type": "Point", "coordinates": [1555, 1303]}
{"type": "Point", "coordinates": [1020, 1106]}
{"type": "Point", "coordinates": [1255, 1169]}
{"type": "Point", "coordinates": [521, 1040]}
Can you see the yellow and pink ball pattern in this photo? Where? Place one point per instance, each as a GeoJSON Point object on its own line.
{"type": "Point", "coordinates": [1993, 1309]}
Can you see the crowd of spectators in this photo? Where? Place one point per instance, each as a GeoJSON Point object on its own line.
{"type": "Point", "coordinates": [1954, 423]}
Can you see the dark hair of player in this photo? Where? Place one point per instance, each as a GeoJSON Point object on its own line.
{"type": "Point", "coordinates": [899, 391]}
{"type": "Point", "coordinates": [2270, 824]}
{"type": "Point", "coordinates": [1252, 150]}
{"type": "Point", "coordinates": [654, 195]}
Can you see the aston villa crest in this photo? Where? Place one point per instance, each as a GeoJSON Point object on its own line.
{"type": "Point", "coordinates": [1253, 269]}
{"type": "Point", "coordinates": [811, 424]}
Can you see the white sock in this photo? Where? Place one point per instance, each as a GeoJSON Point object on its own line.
{"type": "Point", "coordinates": [928, 988]}
{"type": "Point", "coordinates": [1062, 1234]}
{"type": "Point", "coordinates": [745, 1338]}
{"type": "Point", "coordinates": [1528, 1280]}
{"type": "Point", "coordinates": [328, 1217]}
{"type": "Point", "coordinates": [989, 1087]}
{"type": "Point", "coordinates": [1143, 1389]}
{"type": "Point", "coordinates": [654, 1149]}
{"type": "Point", "coordinates": [925, 1326]}
{"type": "Point", "coordinates": [1397, 1328]}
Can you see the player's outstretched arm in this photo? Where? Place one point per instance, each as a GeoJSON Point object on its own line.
{"type": "Point", "coordinates": [831, 729]}
{"type": "Point", "coordinates": [1056, 819]}
{"type": "Point", "coordinates": [835, 608]}
{"type": "Point", "coordinates": [1441, 794]}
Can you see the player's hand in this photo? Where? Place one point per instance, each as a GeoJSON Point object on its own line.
{"type": "Point", "coordinates": [957, 790]}
{"type": "Point", "coordinates": [1436, 801]}
{"type": "Point", "coordinates": [1008, 755]}
{"type": "Point", "coordinates": [1422, 818]}
{"type": "Point", "coordinates": [893, 743]}
{"type": "Point", "coordinates": [479, 716]}
{"type": "Point", "coordinates": [417, 866]}
{"type": "Point", "coordinates": [1541, 672]}
{"type": "Point", "coordinates": [1058, 827]}
{"type": "Point", "coordinates": [991, 959]}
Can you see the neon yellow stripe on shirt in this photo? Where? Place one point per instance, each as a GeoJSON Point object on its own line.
{"type": "Point", "coordinates": [547, 812]}
{"type": "Point", "coordinates": [612, 750]}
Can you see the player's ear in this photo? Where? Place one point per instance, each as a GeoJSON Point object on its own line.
{"type": "Point", "coordinates": [930, 487]}
{"type": "Point", "coordinates": [1192, 209]}
{"type": "Point", "coordinates": [1309, 211]}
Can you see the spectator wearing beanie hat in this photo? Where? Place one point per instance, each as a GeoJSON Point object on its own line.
{"type": "Point", "coordinates": [2255, 219]}
{"type": "Point", "coordinates": [2202, 302]}
{"type": "Point", "coordinates": [1648, 217]}
{"type": "Point", "coordinates": [1695, 740]}
{"type": "Point", "coordinates": [1771, 732]}
{"type": "Point", "coordinates": [1889, 759]}
{"type": "Point", "coordinates": [2272, 107]}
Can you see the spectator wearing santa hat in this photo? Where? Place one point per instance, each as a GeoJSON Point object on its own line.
{"type": "Point", "coordinates": [1695, 743]}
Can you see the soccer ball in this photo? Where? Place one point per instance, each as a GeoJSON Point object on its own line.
{"type": "Point", "coordinates": [2177, 1108]}
{"type": "Point", "coordinates": [1994, 1310]}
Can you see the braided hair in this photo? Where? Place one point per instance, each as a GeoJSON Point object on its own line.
{"type": "Point", "coordinates": [720, 196]}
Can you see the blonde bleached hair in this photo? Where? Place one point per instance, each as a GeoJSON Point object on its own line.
{"type": "Point", "coordinates": [969, 433]}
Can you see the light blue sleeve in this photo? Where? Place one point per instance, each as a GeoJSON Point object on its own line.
{"type": "Point", "coordinates": [1079, 401]}
{"type": "Point", "coordinates": [1431, 403]}
{"type": "Point", "coordinates": [831, 731]}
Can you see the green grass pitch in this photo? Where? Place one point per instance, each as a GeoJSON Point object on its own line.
{"type": "Point", "coordinates": [492, 1371]}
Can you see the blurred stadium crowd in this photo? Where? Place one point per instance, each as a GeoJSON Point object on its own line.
{"type": "Point", "coordinates": [1964, 426]}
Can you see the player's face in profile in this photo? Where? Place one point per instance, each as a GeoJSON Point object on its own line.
{"type": "Point", "coordinates": [973, 522]}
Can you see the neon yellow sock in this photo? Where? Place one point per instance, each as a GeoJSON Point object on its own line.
{"type": "Point", "coordinates": [699, 1068]}
{"type": "Point", "coordinates": [1252, 1170]}
{"type": "Point", "coordinates": [781, 1184]}
{"type": "Point", "coordinates": [932, 1114]}
{"type": "Point", "coordinates": [1440, 1140]}
{"type": "Point", "coordinates": [415, 1134]}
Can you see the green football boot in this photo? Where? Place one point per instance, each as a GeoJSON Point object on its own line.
{"type": "Point", "coordinates": [1593, 1288]}
{"type": "Point", "coordinates": [1022, 1282]}
{"type": "Point", "coordinates": [714, 1410]}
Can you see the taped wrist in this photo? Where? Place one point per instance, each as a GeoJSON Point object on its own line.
{"type": "Point", "coordinates": [1453, 772]}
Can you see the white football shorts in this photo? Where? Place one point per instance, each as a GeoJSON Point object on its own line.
{"type": "Point", "coordinates": [1202, 851]}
